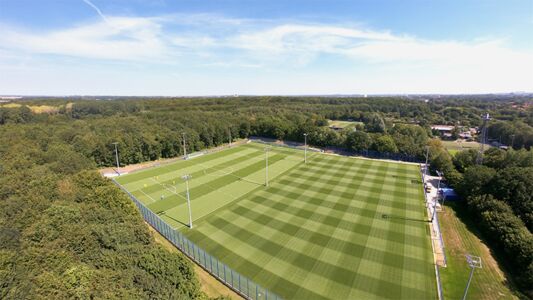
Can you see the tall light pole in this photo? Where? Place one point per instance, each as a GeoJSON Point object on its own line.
{"type": "Point", "coordinates": [426, 168]}
{"type": "Point", "coordinates": [184, 146]}
{"type": "Point", "coordinates": [116, 157]}
{"type": "Point", "coordinates": [229, 131]}
{"type": "Point", "coordinates": [305, 147]}
{"type": "Point", "coordinates": [187, 178]}
{"type": "Point", "coordinates": [266, 165]}
{"type": "Point", "coordinates": [473, 262]}
{"type": "Point", "coordinates": [436, 200]}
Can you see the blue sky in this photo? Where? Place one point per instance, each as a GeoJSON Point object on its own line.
{"type": "Point", "coordinates": [214, 47]}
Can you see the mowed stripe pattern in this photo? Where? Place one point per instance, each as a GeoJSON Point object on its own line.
{"type": "Point", "coordinates": [217, 180]}
{"type": "Point", "coordinates": [335, 228]}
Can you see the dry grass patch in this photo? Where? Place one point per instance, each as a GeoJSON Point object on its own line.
{"type": "Point", "coordinates": [490, 282]}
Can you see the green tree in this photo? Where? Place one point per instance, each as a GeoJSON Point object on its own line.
{"type": "Point", "coordinates": [358, 141]}
{"type": "Point", "coordinates": [464, 159]}
{"type": "Point", "coordinates": [476, 181]}
{"type": "Point", "coordinates": [385, 144]}
{"type": "Point", "coordinates": [513, 185]}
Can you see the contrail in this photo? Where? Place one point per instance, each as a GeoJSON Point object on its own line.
{"type": "Point", "coordinates": [97, 9]}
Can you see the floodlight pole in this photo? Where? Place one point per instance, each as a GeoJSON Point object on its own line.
{"type": "Point", "coordinates": [229, 131]}
{"type": "Point", "coordinates": [468, 283]}
{"type": "Point", "coordinates": [266, 165]}
{"type": "Point", "coordinates": [473, 265]}
{"type": "Point", "coordinates": [187, 178]}
{"type": "Point", "coordinates": [426, 168]}
{"type": "Point", "coordinates": [184, 146]}
{"type": "Point", "coordinates": [305, 147]}
{"type": "Point", "coordinates": [116, 157]}
{"type": "Point", "coordinates": [435, 202]}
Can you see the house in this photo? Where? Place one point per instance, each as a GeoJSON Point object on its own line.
{"type": "Point", "coordinates": [442, 128]}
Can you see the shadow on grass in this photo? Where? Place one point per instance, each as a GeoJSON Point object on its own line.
{"type": "Point", "coordinates": [163, 213]}
{"type": "Point", "coordinates": [461, 211]}
{"type": "Point", "coordinates": [393, 217]}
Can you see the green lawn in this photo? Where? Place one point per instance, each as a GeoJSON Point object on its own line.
{"type": "Point", "coordinates": [459, 145]}
{"type": "Point", "coordinates": [490, 281]}
{"type": "Point", "coordinates": [343, 124]}
{"type": "Point", "coordinates": [334, 228]}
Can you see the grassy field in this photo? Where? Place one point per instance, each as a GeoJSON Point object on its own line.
{"type": "Point", "coordinates": [343, 124]}
{"type": "Point", "coordinates": [489, 282]}
{"type": "Point", "coordinates": [336, 227]}
{"type": "Point", "coordinates": [38, 109]}
{"type": "Point", "coordinates": [456, 146]}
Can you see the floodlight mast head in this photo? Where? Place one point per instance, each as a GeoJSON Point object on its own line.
{"type": "Point", "coordinates": [474, 262]}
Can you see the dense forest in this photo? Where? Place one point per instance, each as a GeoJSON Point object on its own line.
{"type": "Point", "coordinates": [66, 232]}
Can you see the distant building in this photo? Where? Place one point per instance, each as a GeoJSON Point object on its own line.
{"type": "Point", "coordinates": [449, 194]}
{"type": "Point", "coordinates": [445, 131]}
{"type": "Point", "coordinates": [442, 128]}
{"type": "Point", "coordinates": [465, 135]}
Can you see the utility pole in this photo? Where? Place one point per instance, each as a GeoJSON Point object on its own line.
{"type": "Point", "coordinates": [512, 141]}
{"type": "Point", "coordinates": [184, 146]}
{"type": "Point", "coordinates": [484, 130]}
{"type": "Point", "coordinates": [305, 147]}
{"type": "Point", "coordinates": [187, 178]}
{"type": "Point", "coordinates": [266, 165]}
{"type": "Point", "coordinates": [116, 157]}
{"type": "Point", "coordinates": [473, 262]}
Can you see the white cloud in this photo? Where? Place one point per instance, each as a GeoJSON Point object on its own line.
{"type": "Point", "coordinates": [210, 41]}
{"type": "Point", "coordinates": [117, 39]}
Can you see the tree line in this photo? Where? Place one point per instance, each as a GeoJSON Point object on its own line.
{"type": "Point", "coordinates": [58, 215]}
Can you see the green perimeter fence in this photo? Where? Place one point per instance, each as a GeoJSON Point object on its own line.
{"type": "Point", "coordinates": [237, 282]}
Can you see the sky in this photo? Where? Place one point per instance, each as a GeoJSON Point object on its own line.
{"type": "Point", "coordinates": [270, 47]}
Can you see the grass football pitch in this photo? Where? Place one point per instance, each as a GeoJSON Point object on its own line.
{"type": "Point", "coordinates": [334, 228]}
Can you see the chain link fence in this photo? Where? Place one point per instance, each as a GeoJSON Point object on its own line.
{"type": "Point", "coordinates": [237, 282]}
